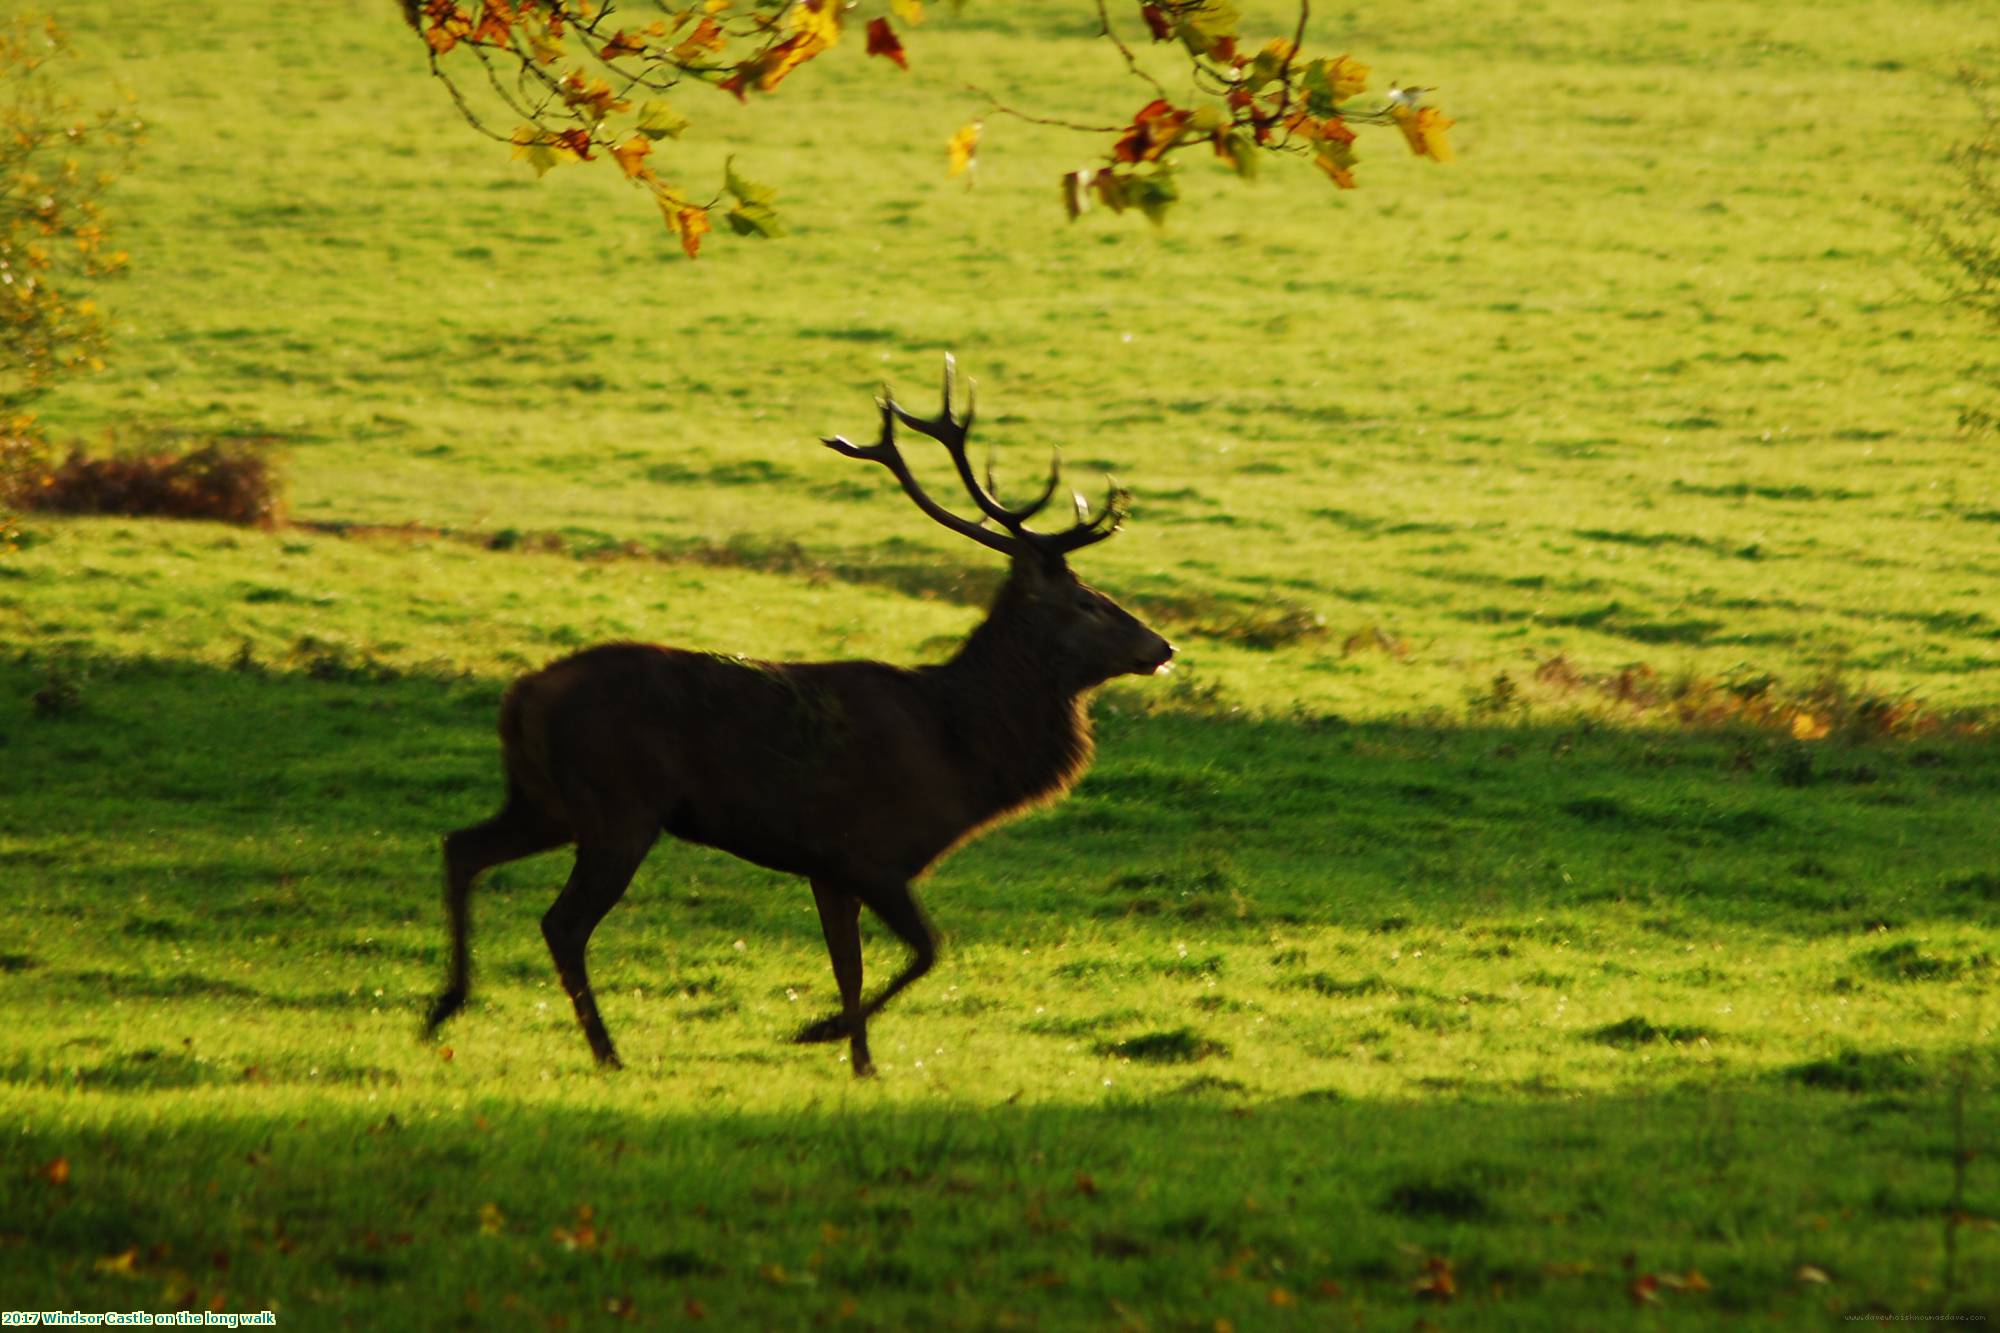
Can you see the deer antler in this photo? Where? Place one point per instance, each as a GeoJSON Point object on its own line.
{"type": "Point", "coordinates": [951, 432]}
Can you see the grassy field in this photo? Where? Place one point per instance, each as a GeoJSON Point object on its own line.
{"type": "Point", "coordinates": [1559, 888]}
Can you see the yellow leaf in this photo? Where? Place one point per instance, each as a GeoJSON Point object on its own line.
{"type": "Point", "coordinates": [910, 11]}
{"type": "Point", "coordinates": [1811, 1276]}
{"type": "Point", "coordinates": [1423, 129]}
{"type": "Point", "coordinates": [1806, 727]}
{"type": "Point", "coordinates": [1348, 76]}
{"type": "Point", "coordinates": [118, 1263]}
{"type": "Point", "coordinates": [964, 150]}
{"type": "Point", "coordinates": [818, 18]}
{"type": "Point", "coordinates": [491, 1220]}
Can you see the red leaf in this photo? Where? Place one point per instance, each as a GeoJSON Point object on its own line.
{"type": "Point", "coordinates": [883, 41]}
{"type": "Point", "coordinates": [1156, 22]}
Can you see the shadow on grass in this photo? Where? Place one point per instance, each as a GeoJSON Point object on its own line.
{"type": "Point", "coordinates": [280, 796]}
{"type": "Point", "coordinates": [1775, 1199]}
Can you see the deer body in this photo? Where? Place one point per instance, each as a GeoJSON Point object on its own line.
{"type": "Point", "coordinates": [856, 775]}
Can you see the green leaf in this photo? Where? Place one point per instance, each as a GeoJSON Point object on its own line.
{"type": "Point", "coordinates": [1240, 151]}
{"type": "Point", "coordinates": [1205, 121]}
{"type": "Point", "coordinates": [754, 220]}
{"type": "Point", "coordinates": [1153, 195]}
{"type": "Point", "coordinates": [658, 120]}
{"type": "Point", "coordinates": [747, 192]}
{"type": "Point", "coordinates": [1318, 88]}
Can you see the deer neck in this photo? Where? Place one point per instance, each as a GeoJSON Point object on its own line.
{"type": "Point", "coordinates": [1024, 732]}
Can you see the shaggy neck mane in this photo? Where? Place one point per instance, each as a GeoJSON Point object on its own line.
{"type": "Point", "coordinates": [1025, 732]}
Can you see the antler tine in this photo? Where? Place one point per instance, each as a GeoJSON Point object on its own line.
{"type": "Point", "coordinates": [1088, 530]}
{"type": "Point", "coordinates": [885, 452]}
{"type": "Point", "coordinates": [951, 432]}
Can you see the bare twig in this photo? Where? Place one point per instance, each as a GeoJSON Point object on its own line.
{"type": "Point", "coordinates": [1104, 29]}
{"type": "Point", "coordinates": [1001, 108]}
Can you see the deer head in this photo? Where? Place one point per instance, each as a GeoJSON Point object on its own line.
{"type": "Point", "coordinates": [1076, 631]}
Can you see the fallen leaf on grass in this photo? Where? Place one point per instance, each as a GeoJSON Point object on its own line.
{"type": "Point", "coordinates": [491, 1220]}
{"type": "Point", "coordinates": [1437, 1283]}
{"type": "Point", "coordinates": [117, 1263]}
{"type": "Point", "coordinates": [57, 1172]}
{"type": "Point", "coordinates": [1811, 1276]}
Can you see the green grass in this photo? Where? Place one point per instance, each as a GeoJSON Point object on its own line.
{"type": "Point", "coordinates": [1469, 897]}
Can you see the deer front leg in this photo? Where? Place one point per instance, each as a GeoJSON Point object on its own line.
{"type": "Point", "coordinates": [840, 920]}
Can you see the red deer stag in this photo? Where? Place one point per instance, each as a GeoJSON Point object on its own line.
{"type": "Point", "coordinates": [856, 775]}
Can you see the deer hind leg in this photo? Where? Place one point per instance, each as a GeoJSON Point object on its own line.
{"type": "Point", "coordinates": [520, 829]}
{"type": "Point", "coordinates": [840, 919]}
{"type": "Point", "coordinates": [893, 903]}
{"type": "Point", "coordinates": [604, 867]}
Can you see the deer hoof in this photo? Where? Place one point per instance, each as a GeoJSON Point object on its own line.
{"type": "Point", "coordinates": [447, 1004]}
{"type": "Point", "coordinates": [831, 1028]}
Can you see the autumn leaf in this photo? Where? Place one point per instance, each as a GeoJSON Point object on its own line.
{"type": "Point", "coordinates": [492, 1221]}
{"type": "Point", "coordinates": [1423, 129]}
{"type": "Point", "coordinates": [963, 151]}
{"type": "Point", "coordinates": [765, 71]}
{"type": "Point", "coordinates": [817, 19]}
{"type": "Point", "coordinates": [1076, 192]}
{"type": "Point", "coordinates": [1152, 132]}
{"type": "Point", "coordinates": [882, 41]}
{"type": "Point", "coordinates": [706, 38]}
{"type": "Point", "coordinates": [57, 1172]}
{"type": "Point", "coordinates": [689, 223]}
{"type": "Point", "coordinates": [1156, 22]}
{"type": "Point", "coordinates": [622, 43]}
{"type": "Point", "coordinates": [593, 96]}
{"type": "Point", "coordinates": [1437, 1282]}
{"type": "Point", "coordinates": [658, 120]}
{"type": "Point", "coordinates": [117, 1263]}
{"type": "Point", "coordinates": [496, 21]}
{"type": "Point", "coordinates": [448, 24]}
{"type": "Point", "coordinates": [910, 11]}
{"type": "Point", "coordinates": [1205, 25]}
{"type": "Point", "coordinates": [631, 155]}
{"type": "Point", "coordinates": [541, 151]}
{"type": "Point", "coordinates": [1807, 727]}
{"type": "Point", "coordinates": [1645, 1290]}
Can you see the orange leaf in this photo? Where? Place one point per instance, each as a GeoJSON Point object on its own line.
{"type": "Point", "coordinates": [631, 157]}
{"type": "Point", "coordinates": [1645, 1290]}
{"type": "Point", "coordinates": [1281, 1298]}
{"type": "Point", "coordinates": [622, 43]}
{"type": "Point", "coordinates": [883, 41]}
{"type": "Point", "coordinates": [706, 37]}
{"type": "Point", "coordinates": [1084, 1184]}
{"type": "Point", "coordinates": [496, 22]}
{"type": "Point", "coordinates": [1151, 133]}
{"type": "Point", "coordinates": [690, 224]}
{"type": "Point", "coordinates": [57, 1172]}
